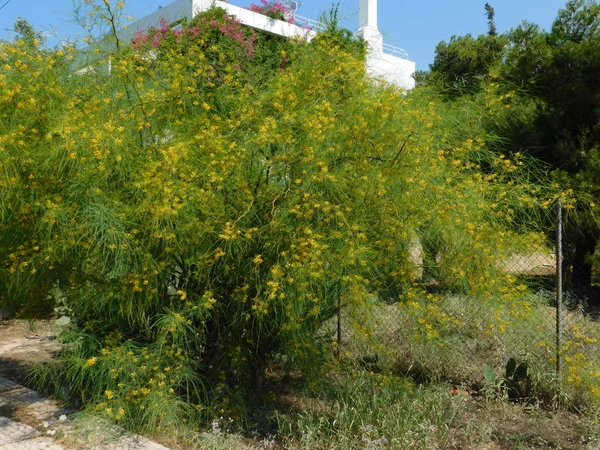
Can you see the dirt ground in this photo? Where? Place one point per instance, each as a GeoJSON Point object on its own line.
{"type": "Point", "coordinates": [505, 426]}
{"type": "Point", "coordinates": [23, 343]}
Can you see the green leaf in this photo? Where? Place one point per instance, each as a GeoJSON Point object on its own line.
{"type": "Point", "coordinates": [489, 375]}
{"type": "Point", "coordinates": [511, 365]}
{"type": "Point", "coordinates": [521, 372]}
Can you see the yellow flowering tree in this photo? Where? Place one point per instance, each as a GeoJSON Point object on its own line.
{"type": "Point", "coordinates": [208, 203]}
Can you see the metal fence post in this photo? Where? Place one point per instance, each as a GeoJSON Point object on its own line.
{"type": "Point", "coordinates": [559, 287]}
{"type": "Point", "coordinates": [339, 323]}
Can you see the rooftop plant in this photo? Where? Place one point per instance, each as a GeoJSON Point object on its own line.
{"type": "Point", "coordinates": [273, 9]}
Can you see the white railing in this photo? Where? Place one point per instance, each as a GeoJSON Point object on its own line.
{"type": "Point", "coordinates": [309, 24]}
{"type": "Point", "coordinates": [314, 25]}
{"type": "Point", "coordinates": [395, 51]}
{"type": "Point", "coordinates": [187, 8]}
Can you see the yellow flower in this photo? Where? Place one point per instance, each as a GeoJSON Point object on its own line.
{"type": "Point", "coordinates": [92, 361]}
{"type": "Point", "coordinates": [120, 414]}
{"type": "Point", "coordinates": [109, 394]}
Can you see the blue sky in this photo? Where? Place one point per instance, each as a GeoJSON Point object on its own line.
{"type": "Point", "coordinates": [416, 26]}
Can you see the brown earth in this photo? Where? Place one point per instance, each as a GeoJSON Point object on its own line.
{"type": "Point", "coordinates": [24, 343]}
{"type": "Point", "coordinates": [499, 425]}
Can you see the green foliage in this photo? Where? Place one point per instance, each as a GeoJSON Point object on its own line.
{"type": "Point", "coordinates": [339, 37]}
{"type": "Point", "coordinates": [514, 383]}
{"type": "Point", "coordinates": [577, 22]}
{"type": "Point", "coordinates": [27, 34]}
{"type": "Point", "coordinates": [548, 85]}
{"type": "Point", "coordinates": [490, 14]}
{"type": "Point", "coordinates": [138, 387]}
{"type": "Point", "coordinates": [212, 201]}
{"type": "Point", "coordinates": [526, 59]}
{"type": "Point", "coordinates": [449, 337]}
{"type": "Point", "coordinates": [364, 410]}
{"type": "Point", "coordinates": [490, 377]}
{"type": "Point", "coordinates": [461, 65]}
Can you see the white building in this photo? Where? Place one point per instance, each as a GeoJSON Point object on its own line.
{"type": "Point", "coordinates": [385, 61]}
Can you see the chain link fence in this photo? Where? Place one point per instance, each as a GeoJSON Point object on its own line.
{"type": "Point", "coordinates": [445, 335]}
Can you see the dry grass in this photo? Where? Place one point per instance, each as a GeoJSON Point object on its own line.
{"type": "Point", "coordinates": [472, 334]}
{"type": "Point", "coordinates": [535, 264]}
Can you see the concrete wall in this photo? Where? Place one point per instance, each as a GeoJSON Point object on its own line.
{"type": "Point", "coordinates": [394, 70]}
{"type": "Point", "coordinates": [172, 13]}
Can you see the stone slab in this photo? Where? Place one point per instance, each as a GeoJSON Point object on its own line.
{"type": "Point", "coordinates": [130, 442]}
{"type": "Point", "coordinates": [19, 397]}
{"type": "Point", "coordinates": [41, 443]}
{"type": "Point", "coordinates": [11, 432]}
{"type": "Point", "coordinates": [32, 403]}
{"type": "Point", "coordinates": [6, 385]}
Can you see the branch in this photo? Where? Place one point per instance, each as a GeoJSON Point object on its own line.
{"type": "Point", "coordinates": [402, 147]}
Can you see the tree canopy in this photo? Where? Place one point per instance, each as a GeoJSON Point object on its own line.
{"type": "Point", "coordinates": [551, 85]}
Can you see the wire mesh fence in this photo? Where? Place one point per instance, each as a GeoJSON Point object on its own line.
{"type": "Point", "coordinates": [445, 334]}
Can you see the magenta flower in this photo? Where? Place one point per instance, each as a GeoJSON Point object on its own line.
{"type": "Point", "coordinates": [228, 26]}
{"type": "Point", "coordinates": [274, 9]}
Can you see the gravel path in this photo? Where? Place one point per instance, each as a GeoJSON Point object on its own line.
{"type": "Point", "coordinates": [28, 421]}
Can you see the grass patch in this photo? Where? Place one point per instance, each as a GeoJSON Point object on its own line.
{"type": "Point", "coordinates": [452, 338]}
{"type": "Point", "coordinates": [366, 410]}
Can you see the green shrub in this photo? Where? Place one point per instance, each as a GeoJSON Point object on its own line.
{"type": "Point", "coordinates": [207, 216]}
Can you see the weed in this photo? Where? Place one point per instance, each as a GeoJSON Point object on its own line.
{"type": "Point", "coordinates": [372, 410]}
{"type": "Point", "coordinates": [515, 384]}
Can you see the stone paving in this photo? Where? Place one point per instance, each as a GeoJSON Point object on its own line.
{"type": "Point", "coordinates": [47, 421]}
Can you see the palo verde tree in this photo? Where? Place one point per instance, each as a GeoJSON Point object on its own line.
{"type": "Point", "coordinates": [204, 214]}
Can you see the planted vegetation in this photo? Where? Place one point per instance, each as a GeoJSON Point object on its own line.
{"type": "Point", "coordinates": [203, 202]}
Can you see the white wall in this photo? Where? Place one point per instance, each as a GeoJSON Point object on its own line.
{"type": "Point", "coordinates": [180, 9]}
{"type": "Point", "coordinates": [395, 70]}
{"type": "Point", "coordinates": [173, 12]}
{"type": "Point", "coordinates": [255, 20]}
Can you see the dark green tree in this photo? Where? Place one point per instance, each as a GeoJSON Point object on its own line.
{"type": "Point", "coordinates": [461, 65]}
{"type": "Point", "coordinates": [576, 22]}
{"type": "Point", "coordinates": [526, 59]}
{"type": "Point", "coordinates": [552, 78]}
{"type": "Point", "coordinates": [569, 125]}
{"type": "Point", "coordinates": [490, 14]}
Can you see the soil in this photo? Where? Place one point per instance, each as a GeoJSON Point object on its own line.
{"type": "Point", "coordinates": [500, 425]}
{"type": "Point", "coordinates": [24, 343]}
